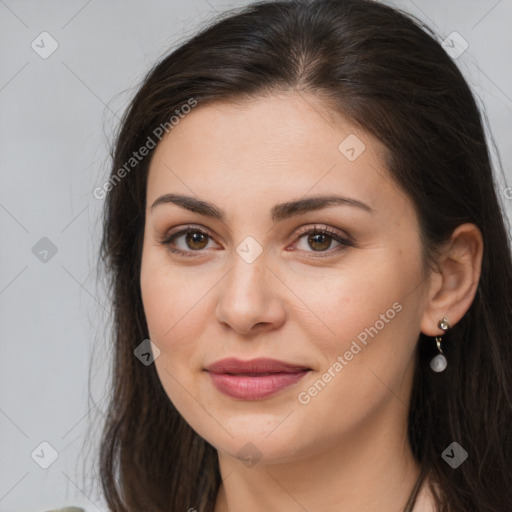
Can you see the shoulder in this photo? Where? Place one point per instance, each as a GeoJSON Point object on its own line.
{"type": "Point", "coordinates": [425, 501]}
{"type": "Point", "coordinates": [66, 509]}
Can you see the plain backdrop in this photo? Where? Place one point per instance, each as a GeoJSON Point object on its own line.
{"type": "Point", "coordinates": [57, 115]}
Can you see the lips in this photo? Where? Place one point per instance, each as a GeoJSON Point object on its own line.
{"type": "Point", "coordinates": [255, 379]}
{"type": "Point", "coordinates": [259, 366]}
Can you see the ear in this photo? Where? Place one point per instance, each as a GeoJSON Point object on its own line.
{"type": "Point", "coordinates": [452, 287]}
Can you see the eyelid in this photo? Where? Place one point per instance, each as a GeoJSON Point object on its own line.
{"type": "Point", "coordinates": [187, 227]}
{"type": "Point", "coordinates": [342, 238]}
{"type": "Point", "coordinates": [323, 228]}
{"type": "Point", "coordinates": [179, 231]}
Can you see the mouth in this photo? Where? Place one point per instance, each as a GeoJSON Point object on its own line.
{"type": "Point", "coordinates": [255, 379]}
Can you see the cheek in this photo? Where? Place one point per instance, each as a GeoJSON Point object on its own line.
{"type": "Point", "coordinates": [368, 313]}
{"type": "Point", "coordinates": [328, 308]}
{"type": "Point", "coordinates": [167, 297]}
{"type": "Point", "coordinates": [343, 301]}
{"type": "Point", "coordinates": [174, 323]}
{"type": "Point", "coordinates": [173, 313]}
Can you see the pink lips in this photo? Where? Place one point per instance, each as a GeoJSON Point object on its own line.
{"type": "Point", "coordinates": [254, 379]}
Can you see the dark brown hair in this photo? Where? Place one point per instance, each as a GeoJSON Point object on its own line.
{"type": "Point", "coordinates": [385, 72]}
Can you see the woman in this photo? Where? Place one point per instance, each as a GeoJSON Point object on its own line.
{"type": "Point", "coordinates": [310, 274]}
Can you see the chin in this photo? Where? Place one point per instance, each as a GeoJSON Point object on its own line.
{"type": "Point", "coordinates": [258, 440]}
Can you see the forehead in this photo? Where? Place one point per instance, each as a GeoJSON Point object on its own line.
{"type": "Point", "coordinates": [267, 148]}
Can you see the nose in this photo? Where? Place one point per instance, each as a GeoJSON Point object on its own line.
{"type": "Point", "coordinates": [251, 298]}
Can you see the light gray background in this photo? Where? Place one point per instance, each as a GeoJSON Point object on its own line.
{"type": "Point", "coordinates": [56, 121]}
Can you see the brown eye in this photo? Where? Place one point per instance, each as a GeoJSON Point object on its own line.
{"type": "Point", "coordinates": [320, 240]}
{"type": "Point", "coordinates": [196, 240]}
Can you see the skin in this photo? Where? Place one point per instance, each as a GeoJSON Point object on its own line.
{"type": "Point", "coordinates": [347, 448]}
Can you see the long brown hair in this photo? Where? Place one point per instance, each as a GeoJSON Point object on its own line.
{"type": "Point", "coordinates": [384, 71]}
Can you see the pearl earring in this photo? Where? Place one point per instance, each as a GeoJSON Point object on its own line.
{"type": "Point", "coordinates": [439, 362]}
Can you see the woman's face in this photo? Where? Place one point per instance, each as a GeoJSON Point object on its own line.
{"type": "Point", "coordinates": [262, 283]}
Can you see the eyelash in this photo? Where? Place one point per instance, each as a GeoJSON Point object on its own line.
{"type": "Point", "coordinates": [168, 239]}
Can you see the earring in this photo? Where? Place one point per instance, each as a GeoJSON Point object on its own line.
{"type": "Point", "coordinates": [439, 362]}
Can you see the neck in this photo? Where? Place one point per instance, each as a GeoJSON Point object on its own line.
{"type": "Point", "coordinates": [372, 468]}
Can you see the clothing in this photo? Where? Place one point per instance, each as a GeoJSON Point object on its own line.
{"type": "Point", "coordinates": [66, 509]}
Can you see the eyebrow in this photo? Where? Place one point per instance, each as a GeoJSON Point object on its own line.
{"type": "Point", "coordinates": [279, 212]}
